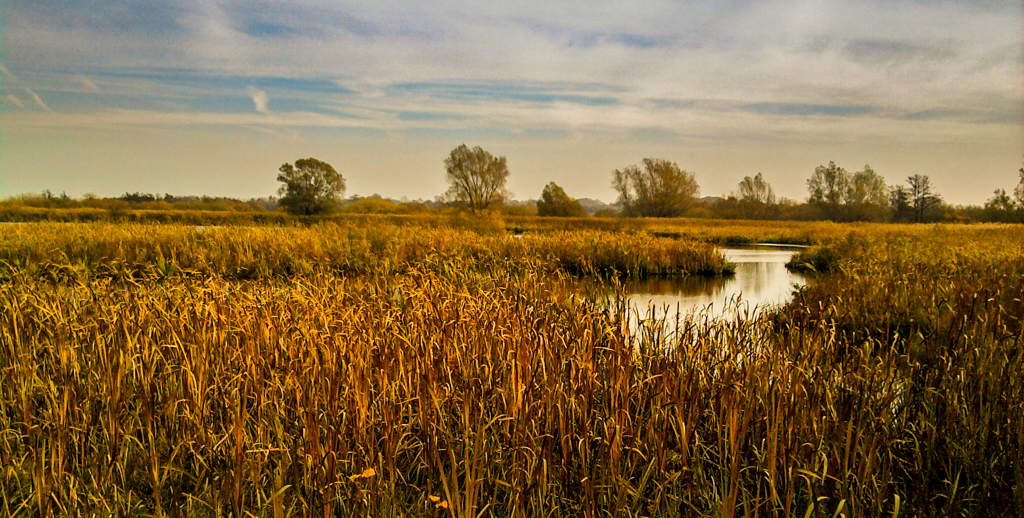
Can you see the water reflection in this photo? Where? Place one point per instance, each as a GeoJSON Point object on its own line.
{"type": "Point", "coordinates": [761, 280]}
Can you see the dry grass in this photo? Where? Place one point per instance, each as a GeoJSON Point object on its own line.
{"type": "Point", "coordinates": [72, 251]}
{"type": "Point", "coordinates": [500, 392]}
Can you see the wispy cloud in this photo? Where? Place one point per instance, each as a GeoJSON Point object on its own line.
{"type": "Point", "coordinates": [774, 51]}
{"type": "Point", "coordinates": [89, 84]}
{"type": "Point", "coordinates": [197, 98]}
{"type": "Point", "coordinates": [38, 100]}
{"type": "Point", "coordinates": [885, 51]}
{"type": "Point", "coordinates": [260, 99]}
{"type": "Point", "coordinates": [632, 73]}
{"type": "Point", "coordinates": [13, 99]}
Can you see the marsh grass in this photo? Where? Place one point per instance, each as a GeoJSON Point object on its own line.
{"type": "Point", "coordinates": [497, 391]}
{"type": "Point", "coordinates": [71, 251]}
{"type": "Point", "coordinates": [946, 306]}
{"type": "Point", "coordinates": [721, 232]}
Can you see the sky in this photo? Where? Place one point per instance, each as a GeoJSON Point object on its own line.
{"type": "Point", "coordinates": [211, 97]}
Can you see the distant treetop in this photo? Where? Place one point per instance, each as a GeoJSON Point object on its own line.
{"type": "Point", "coordinates": [310, 187]}
{"type": "Point", "coordinates": [476, 178]}
{"type": "Point", "coordinates": [660, 190]}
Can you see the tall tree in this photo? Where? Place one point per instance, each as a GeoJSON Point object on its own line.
{"type": "Point", "coordinates": [660, 190]}
{"type": "Point", "coordinates": [868, 187]}
{"type": "Point", "coordinates": [310, 187]}
{"type": "Point", "coordinates": [899, 202]}
{"type": "Point", "coordinates": [923, 201]}
{"type": "Point", "coordinates": [555, 202]}
{"type": "Point", "coordinates": [476, 178]}
{"type": "Point", "coordinates": [867, 196]}
{"type": "Point", "coordinates": [999, 202]}
{"type": "Point", "coordinates": [828, 188]}
{"type": "Point", "coordinates": [1001, 207]}
{"type": "Point", "coordinates": [755, 200]}
{"type": "Point", "coordinates": [756, 190]}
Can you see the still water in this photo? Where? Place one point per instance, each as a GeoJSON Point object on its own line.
{"type": "Point", "coordinates": [761, 280]}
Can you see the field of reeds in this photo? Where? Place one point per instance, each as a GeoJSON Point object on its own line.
{"type": "Point", "coordinates": [85, 251]}
{"type": "Point", "coordinates": [386, 370]}
{"type": "Point", "coordinates": [717, 231]}
{"type": "Point", "coordinates": [711, 230]}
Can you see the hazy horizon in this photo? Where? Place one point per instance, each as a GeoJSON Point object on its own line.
{"type": "Point", "coordinates": [195, 97]}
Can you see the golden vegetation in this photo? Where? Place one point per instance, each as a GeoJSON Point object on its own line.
{"type": "Point", "coordinates": [82, 251]}
{"type": "Point", "coordinates": [454, 373]}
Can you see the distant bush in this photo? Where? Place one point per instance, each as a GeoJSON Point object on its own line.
{"type": "Point", "coordinates": [381, 206]}
{"type": "Point", "coordinates": [555, 202]}
{"type": "Point", "coordinates": [518, 210]}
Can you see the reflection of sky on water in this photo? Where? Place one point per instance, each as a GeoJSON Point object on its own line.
{"type": "Point", "coordinates": [761, 279]}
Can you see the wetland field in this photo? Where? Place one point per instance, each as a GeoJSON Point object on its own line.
{"type": "Point", "coordinates": [441, 366]}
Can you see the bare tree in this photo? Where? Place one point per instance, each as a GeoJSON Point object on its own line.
{"type": "Point", "coordinates": [922, 200]}
{"type": "Point", "coordinates": [476, 177]}
{"type": "Point", "coordinates": [828, 188]}
{"type": "Point", "coordinates": [756, 190]}
{"type": "Point", "coordinates": [755, 200]}
{"type": "Point", "coordinates": [899, 202]}
{"type": "Point", "coordinates": [310, 187]}
{"type": "Point", "coordinates": [660, 190]}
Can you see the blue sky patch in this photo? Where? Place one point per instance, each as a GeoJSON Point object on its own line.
{"type": "Point", "coordinates": [502, 92]}
{"type": "Point", "coordinates": [268, 29]}
{"type": "Point", "coordinates": [170, 90]}
{"type": "Point", "coordinates": [204, 80]}
{"type": "Point", "coordinates": [810, 109]}
{"type": "Point", "coordinates": [145, 17]}
{"type": "Point", "coordinates": [286, 19]}
{"type": "Point", "coordinates": [583, 38]}
{"type": "Point", "coordinates": [636, 40]}
{"type": "Point", "coordinates": [934, 114]}
{"type": "Point", "coordinates": [1009, 117]}
{"type": "Point", "coordinates": [414, 116]}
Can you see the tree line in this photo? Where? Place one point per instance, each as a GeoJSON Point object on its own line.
{"type": "Point", "coordinates": [660, 188]}
{"type": "Point", "coordinates": [656, 188]}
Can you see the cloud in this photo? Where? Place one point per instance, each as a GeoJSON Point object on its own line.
{"type": "Point", "coordinates": [259, 99]}
{"type": "Point", "coordinates": [717, 69]}
{"type": "Point", "coordinates": [182, 97]}
{"type": "Point", "coordinates": [38, 100]}
{"type": "Point", "coordinates": [783, 51]}
{"type": "Point", "coordinates": [877, 51]}
{"type": "Point", "coordinates": [13, 99]}
{"type": "Point", "coordinates": [89, 84]}
{"type": "Point", "coordinates": [144, 118]}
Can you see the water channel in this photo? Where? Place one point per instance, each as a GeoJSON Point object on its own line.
{"type": "Point", "coordinates": [761, 280]}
